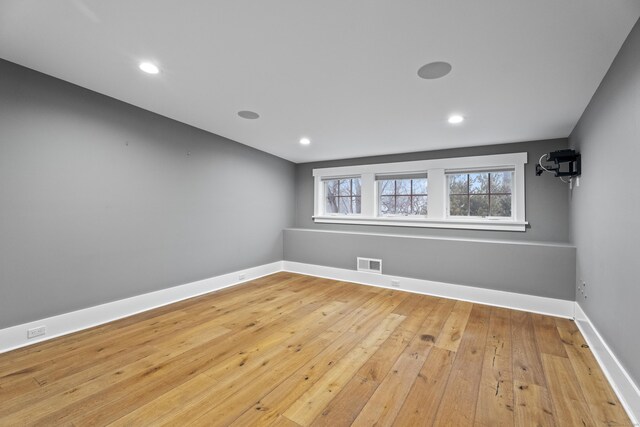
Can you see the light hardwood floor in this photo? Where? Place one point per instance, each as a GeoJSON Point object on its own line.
{"type": "Point", "coordinates": [289, 350]}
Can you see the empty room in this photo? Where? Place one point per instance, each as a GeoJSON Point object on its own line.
{"type": "Point", "coordinates": [330, 213]}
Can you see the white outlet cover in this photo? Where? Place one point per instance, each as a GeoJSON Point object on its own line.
{"type": "Point", "coordinates": [36, 332]}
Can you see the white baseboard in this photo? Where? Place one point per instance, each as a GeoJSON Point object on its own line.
{"type": "Point", "coordinates": [16, 336]}
{"type": "Point", "coordinates": [627, 391]}
{"type": "Point", "coordinates": [532, 303]}
{"type": "Point", "coordinates": [63, 324]}
{"type": "Point", "coordinates": [624, 387]}
{"type": "Point", "coordinates": [620, 380]}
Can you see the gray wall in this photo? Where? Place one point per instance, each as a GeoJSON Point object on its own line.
{"type": "Point", "coordinates": [547, 205]}
{"type": "Point", "coordinates": [604, 209]}
{"type": "Point", "coordinates": [546, 270]}
{"type": "Point", "coordinates": [100, 200]}
{"type": "Point", "coordinates": [537, 262]}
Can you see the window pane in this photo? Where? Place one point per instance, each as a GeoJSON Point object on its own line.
{"type": "Point", "coordinates": [397, 196]}
{"type": "Point", "coordinates": [458, 184]}
{"type": "Point", "coordinates": [403, 205]}
{"type": "Point", "coordinates": [345, 187]}
{"type": "Point", "coordinates": [459, 205]}
{"type": "Point", "coordinates": [403, 186]}
{"type": "Point", "coordinates": [387, 205]}
{"type": "Point", "coordinates": [331, 187]}
{"type": "Point", "coordinates": [501, 182]}
{"type": "Point", "coordinates": [342, 196]}
{"type": "Point", "coordinates": [356, 186]}
{"type": "Point", "coordinates": [501, 206]}
{"type": "Point", "coordinates": [478, 183]}
{"type": "Point", "coordinates": [419, 205]}
{"type": "Point", "coordinates": [479, 205]}
{"type": "Point", "coordinates": [419, 186]}
{"type": "Point", "coordinates": [356, 204]}
{"type": "Point", "coordinates": [331, 205]}
{"type": "Point", "coordinates": [481, 200]}
{"type": "Point", "coordinates": [344, 205]}
{"type": "Point", "coordinates": [387, 187]}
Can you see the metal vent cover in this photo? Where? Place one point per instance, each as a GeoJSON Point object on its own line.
{"type": "Point", "coordinates": [370, 265]}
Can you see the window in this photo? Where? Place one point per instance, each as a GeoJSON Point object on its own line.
{"type": "Point", "coordinates": [402, 195]}
{"type": "Point", "coordinates": [480, 194]}
{"type": "Point", "coordinates": [342, 196]}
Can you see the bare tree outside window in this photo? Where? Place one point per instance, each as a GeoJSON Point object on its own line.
{"type": "Point", "coordinates": [402, 196]}
{"type": "Point", "coordinates": [480, 194]}
{"type": "Point", "coordinates": [342, 196]}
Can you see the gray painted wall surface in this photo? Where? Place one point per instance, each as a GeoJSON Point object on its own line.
{"type": "Point", "coordinates": [100, 200]}
{"type": "Point", "coordinates": [546, 270]}
{"type": "Point", "coordinates": [547, 205]}
{"type": "Point", "coordinates": [604, 209]}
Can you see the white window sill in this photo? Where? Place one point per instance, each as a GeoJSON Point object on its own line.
{"type": "Point", "coordinates": [460, 223]}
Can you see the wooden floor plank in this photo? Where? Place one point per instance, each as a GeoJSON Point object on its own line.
{"type": "Point", "coordinates": [495, 397]}
{"type": "Point", "coordinates": [155, 334]}
{"type": "Point", "coordinates": [227, 376]}
{"type": "Point", "coordinates": [454, 328]}
{"type": "Point", "coordinates": [73, 391]}
{"type": "Point", "coordinates": [531, 397]}
{"type": "Point", "coordinates": [237, 403]}
{"type": "Point", "coordinates": [107, 351]}
{"type": "Point", "coordinates": [48, 350]}
{"type": "Point", "coordinates": [381, 362]}
{"type": "Point", "coordinates": [547, 336]}
{"type": "Point", "coordinates": [384, 405]}
{"type": "Point", "coordinates": [283, 421]}
{"type": "Point", "coordinates": [345, 407]}
{"type": "Point", "coordinates": [252, 358]}
{"type": "Point", "coordinates": [230, 388]}
{"type": "Point", "coordinates": [285, 394]}
{"type": "Point", "coordinates": [423, 400]}
{"type": "Point", "coordinates": [295, 350]}
{"type": "Point", "coordinates": [304, 410]}
{"type": "Point", "coordinates": [570, 408]}
{"type": "Point", "coordinates": [602, 401]}
{"type": "Point", "coordinates": [82, 401]}
{"type": "Point", "coordinates": [75, 358]}
{"type": "Point", "coordinates": [458, 404]}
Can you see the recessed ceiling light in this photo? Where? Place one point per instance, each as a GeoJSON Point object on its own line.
{"type": "Point", "coordinates": [305, 141]}
{"type": "Point", "coordinates": [249, 115]}
{"type": "Point", "coordinates": [149, 68]}
{"type": "Point", "coordinates": [455, 119]}
{"type": "Point", "coordinates": [434, 70]}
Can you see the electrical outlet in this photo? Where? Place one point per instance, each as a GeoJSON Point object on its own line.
{"type": "Point", "coordinates": [36, 332]}
{"type": "Point", "coordinates": [395, 283]}
{"type": "Point", "coordinates": [242, 277]}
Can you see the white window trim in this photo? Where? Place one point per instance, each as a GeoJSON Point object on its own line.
{"type": "Point", "coordinates": [438, 215]}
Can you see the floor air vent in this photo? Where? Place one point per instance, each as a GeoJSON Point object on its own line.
{"type": "Point", "coordinates": [370, 265]}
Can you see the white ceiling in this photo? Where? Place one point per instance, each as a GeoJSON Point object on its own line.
{"type": "Point", "coordinates": [342, 72]}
